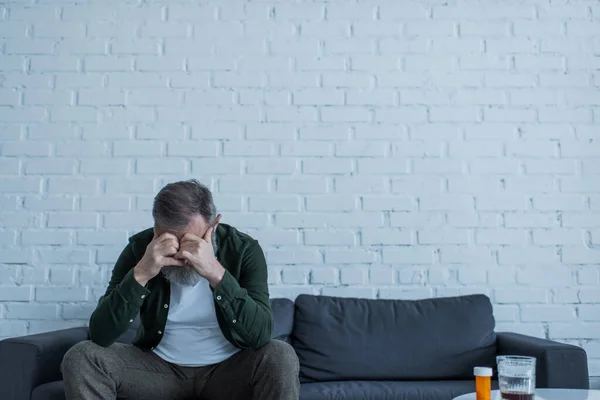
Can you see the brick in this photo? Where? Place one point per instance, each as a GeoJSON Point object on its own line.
{"type": "Point", "coordinates": [54, 166]}
{"type": "Point", "coordinates": [454, 114]}
{"type": "Point", "coordinates": [45, 237]}
{"type": "Point", "coordinates": [249, 220]}
{"type": "Point", "coordinates": [393, 237]}
{"type": "Point", "coordinates": [477, 62]}
{"type": "Point", "coordinates": [13, 329]}
{"type": "Point", "coordinates": [22, 114]}
{"type": "Point", "coordinates": [545, 276]}
{"type": "Point", "coordinates": [558, 202]}
{"type": "Point", "coordinates": [273, 203]}
{"type": "Point", "coordinates": [73, 114]}
{"type": "Point", "coordinates": [527, 255]}
{"type": "Point", "coordinates": [71, 220]}
{"type": "Point", "coordinates": [271, 166]}
{"type": "Point", "coordinates": [64, 256]}
{"type": "Point", "coordinates": [450, 202]}
{"type": "Point", "coordinates": [580, 149]}
{"type": "Point", "coordinates": [563, 330]}
{"type": "Point", "coordinates": [245, 184]}
{"type": "Point", "coordinates": [388, 203]}
{"type": "Point", "coordinates": [409, 255]}
{"type": "Point", "coordinates": [501, 236]}
{"type": "Point", "coordinates": [109, 237]}
{"type": "Point", "coordinates": [345, 114]}
{"type": "Point", "coordinates": [337, 12]}
{"type": "Point", "coordinates": [305, 184]}
{"type": "Point", "coordinates": [360, 149]}
{"type": "Point", "coordinates": [329, 237]}
{"type": "Point", "coordinates": [324, 275]}
{"type": "Point", "coordinates": [106, 63]}
{"type": "Point", "coordinates": [589, 295]}
{"type": "Point", "coordinates": [165, 167]}
{"type": "Point", "coordinates": [75, 185]}
{"type": "Point", "coordinates": [353, 275]}
{"type": "Point", "coordinates": [291, 47]}
{"type": "Point", "coordinates": [545, 131]}
{"type": "Point", "coordinates": [413, 79]}
{"type": "Point", "coordinates": [327, 132]}
{"type": "Point", "coordinates": [529, 220]}
{"type": "Point", "coordinates": [348, 256]}
{"type": "Point", "coordinates": [555, 114]}
{"type": "Point", "coordinates": [81, 149]}
{"type": "Point", "coordinates": [293, 256]}
{"type": "Point", "coordinates": [473, 184]}
{"type": "Point", "coordinates": [382, 166]}
{"type": "Point", "coordinates": [108, 97]}
{"type": "Point", "coordinates": [365, 293]}
{"type": "Point", "coordinates": [416, 219]}
{"type": "Point", "coordinates": [10, 293]}
{"type": "Point", "coordinates": [358, 219]}
{"type": "Point", "coordinates": [330, 203]}
{"type": "Point", "coordinates": [77, 311]}
{"type": "Point", "coordinates": [439, 64]}
{"type": "Point", "coordinates": [191, 12]}
{"type": "Point", "coordinates": [31, 311]}
{"type": "Point", "coordinates": [583, 220]}
{"type": "Point", "coordinates": [588, 276]}
{"type": "Point", "coordinates": [494, 166]}
{"type": "Point", "coordinates": [26, 148]}
{"type": "Point", "coordinates": [28, 46]}
{"type": "Point", "coordinates": [327, 166]}
{"type": "Point", "coordinates": [506, 313]}
{"type": "Point", "coordinates": [47, 98]}
{"type": "Point", "coordinates": [465, 255]}
{"type": "Point", "coordinates": [277, 237]}
{"type": "Point", "coordinates": [380, 131]}
{"type": "Point", "coordinates": [358, 184]}
{"type": "Point", "coordinates": [228, 203]}
{"type": "Point", "coordinates": [102, 166]}
{"type": "Point", "coordinates": [137, 148]}
{"type": "Point", "coordinates": [224, 167]}
{"type": "Point", "coordinates": [126, 79]}
{"type": "Point", "coordinates": [557, 237]}
{"type": "Point", "coordinates": [128, 220]}
{"type": "Point", "coordinates": [588, 312]}
{"type": "Point", "coordinates": [405, 293]}
{"type": "Point", "coordinates": [579, 255]}
{"type": "Point", "coordinates": [64, 294]}
{"type": "Point", "coordinates": [586, 131]}
{"type": "Point", "coordinates": [443, 236]}
{"type": "Point", "coordinates": [501, 202]}
{"type": "Point", "coordinates": [545, 167]}
{"type": "Point", "coordinates": [524, 295]}
{"type": "Point", "coordinates": [105, 203]}
{"type": "Point", "coordinates": [295, 275]}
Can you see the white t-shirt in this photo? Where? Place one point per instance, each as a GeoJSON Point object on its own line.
{"type": "Point", "coordinates": [192, 337]}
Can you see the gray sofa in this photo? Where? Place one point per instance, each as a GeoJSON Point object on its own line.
{"type": "Point", "coordinates": [348, 349]}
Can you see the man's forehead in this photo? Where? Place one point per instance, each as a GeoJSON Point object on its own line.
{"type": "Point", "coordinates": [197, 226]}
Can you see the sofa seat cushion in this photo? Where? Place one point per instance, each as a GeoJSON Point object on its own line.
{"type": "Point", "coordinates": [49, 391]}
{"type": "Point", "coordinates": [339, 339]}
{"type": "Point", "coordinates": [387, 390]}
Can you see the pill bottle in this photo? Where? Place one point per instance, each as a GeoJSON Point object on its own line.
{"type": "Point", "coordinates": [483, 383]}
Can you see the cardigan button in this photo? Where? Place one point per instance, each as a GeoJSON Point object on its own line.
{"type": "Point", "coordinates": [160, 332]}
{"type": "Point", "coordinates": [218, 297]}
{"type": "Point", "coordinates": [234, 321]}
{"type": "Point", "coordinates": [166, 306]}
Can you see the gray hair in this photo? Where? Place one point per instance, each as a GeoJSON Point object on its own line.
{"type": "Point", "coordinates": [178, 202]}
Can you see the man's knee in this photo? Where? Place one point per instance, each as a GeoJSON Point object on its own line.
{"type": "Point", "coordinates": [79, 355]}
{"type": "Point", "coordinates": [282, 356]}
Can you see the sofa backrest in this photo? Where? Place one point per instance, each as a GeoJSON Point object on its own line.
{"type": "Point", "coordinates": [364, 339]}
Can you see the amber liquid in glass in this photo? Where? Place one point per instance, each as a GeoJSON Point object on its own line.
{"type": "Point", "coordinates": [517, 396]}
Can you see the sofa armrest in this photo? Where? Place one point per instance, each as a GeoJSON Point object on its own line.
{"type": "Point", "coordinates": [558, 365]}
{"type": "Point", "coordinates": [29, 361]}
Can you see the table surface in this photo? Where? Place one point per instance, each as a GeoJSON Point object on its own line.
{"type": "Point", "coordinates": [548, 394]}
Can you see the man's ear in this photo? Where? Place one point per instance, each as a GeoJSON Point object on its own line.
{"type": "Point", "coordinates": [217, 219]}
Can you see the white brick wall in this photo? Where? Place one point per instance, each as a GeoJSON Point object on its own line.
{"type": "Point", "coordinates": [378, 148]}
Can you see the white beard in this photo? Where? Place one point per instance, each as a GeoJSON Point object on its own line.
{"type": "Point", "coordinates": [185, 275]}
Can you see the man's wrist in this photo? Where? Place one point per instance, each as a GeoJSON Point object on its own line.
{"type": "Point", "coordinates": [139, 276]}
{"type": "Point", "coordinates": [217, 274]}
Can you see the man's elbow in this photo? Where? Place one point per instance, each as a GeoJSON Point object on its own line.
{"type": "Point", "coordinates": [264, 335]}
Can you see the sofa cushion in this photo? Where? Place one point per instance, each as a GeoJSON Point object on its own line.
{"type": "Point", "coordinates": [364, 339]}
{"type": "Point", "coordinates": [423, 390]}
{"type": "Point", "coordinates": [49, 391]}
{"type": "Point", "coordinates": [283, 318]}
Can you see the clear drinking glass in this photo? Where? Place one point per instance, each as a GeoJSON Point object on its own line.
{"type": "Point", "coordinates": [516, 377]}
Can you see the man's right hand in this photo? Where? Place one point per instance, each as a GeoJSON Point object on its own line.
{"type": "Point", "coordinates": [159, 253]}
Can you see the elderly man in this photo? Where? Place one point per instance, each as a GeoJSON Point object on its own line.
{"type": "Point", "coordinates": [201, 291]}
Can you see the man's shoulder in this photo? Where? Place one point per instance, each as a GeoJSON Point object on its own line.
{"type": "Point", "coordinates": [231, 236]}
{"type": "Point", "coordinates": [145, 236]}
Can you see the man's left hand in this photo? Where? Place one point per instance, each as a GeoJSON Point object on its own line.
{"type": "Point", "coordinates": [200, 255]}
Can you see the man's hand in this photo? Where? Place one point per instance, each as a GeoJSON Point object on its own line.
{"type": "Point", "coordinates": [200, 255]}
{"type": "Point", "coordinates": [159, 253]}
